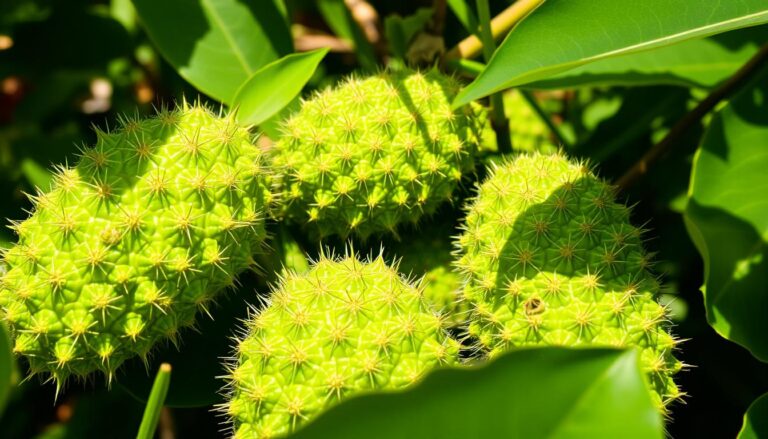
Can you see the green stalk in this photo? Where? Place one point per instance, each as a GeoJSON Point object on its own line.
{"type": "Point", "coordinates": [155, 403]}
{"type": "Point", "coordinates": [499, 120]}
{"type": "Point", "coordinates": [465, 67]}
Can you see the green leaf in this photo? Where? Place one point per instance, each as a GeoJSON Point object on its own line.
{"type": "Point", "coordinates": [339, 19]}
{"type": "Point", "coordinates": [274, 86]}
{"type": "Point", "coordinates": [155, 403]}
{"type": "Point", "coordinates": [702, 62]}
{"type": "Point", "coordinates": [465, 14]}
{"type": "Point", "coordinates": [216, 45]}
{"type": "Point", "coordinates": [727, 217]}
{"type": "Point", "coordinates": [756, 420]}
{"type": "Point", "coordinates": [564, 34]}
{"type": "Point", "coordinates": [528, 393]}
{"type": "Point", "coordinates": [6, 365]}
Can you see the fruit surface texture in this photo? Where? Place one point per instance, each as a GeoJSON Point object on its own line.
{"type": "Point", "coordinates": [549, 258]}
{"type": "Point", "coordinates": [155, 219]}
{"type": "Point", "coordinates": [343, 328]}
{"type": "Point", "coordinates": [374, 152]}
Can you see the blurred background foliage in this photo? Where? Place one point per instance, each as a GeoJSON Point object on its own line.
{"type": "Point", "coordinates": [66, 66]}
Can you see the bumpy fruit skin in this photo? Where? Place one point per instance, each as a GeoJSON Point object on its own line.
{"type": "Point", "coordinates": [427, 254]}
{"type": "Point", "coordinates": [551, 259]}
{"type": "Point", "coordinates": [374, 152]}
{"type": "Point", "coordinates": [129, 244]}
{"type": "Point", "coordinates": [341, 329]}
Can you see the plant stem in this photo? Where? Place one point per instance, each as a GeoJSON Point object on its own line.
{"type": "Point", "coordinates": [471, 46]}
{"type": "Point", "coordinates": [727, 88]}
{"type": "Point", "coordinates": [528, 96]}
{"type": "Point", "coordinates": [155, 403]}
{"type": "Point", "coordinates": [438, 19]}
{"type": "Point", "coordinates": [466, 67]}
{"type": "Point", "coordinates": [499, 121]}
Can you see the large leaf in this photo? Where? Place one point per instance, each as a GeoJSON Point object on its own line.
{"type": "Point", "coordinates": [217, 45]}
{"type": "Point", "coordinates": [702, 62]}
{"type": "Point", "coordinates": [756, 420]}
{"type": "Point", "coordinates": [564, 34]}
{"type": "Point", "coordinates": [727, 217]}
{"type": "Point", "coordinates": [275, 85]}
{"type": "Point", "coordinates": [530, 393]}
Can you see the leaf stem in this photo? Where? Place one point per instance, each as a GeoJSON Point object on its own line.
{"type": "Point", "coordinates": [725, 89]}
{"type": "Point", "coordinates": [466, 67]}
{"type": "Point", "coordinates": [499, 121]}
{"type": "Point", "coordinates": [155, 403]}
{"type": "Point", "coordinates": [472, 46]}
{"type": "Point", "coordinates": [528, 96]}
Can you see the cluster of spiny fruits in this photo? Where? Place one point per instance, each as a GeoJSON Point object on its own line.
{"type": "Point", "coordinates": [162, 214]}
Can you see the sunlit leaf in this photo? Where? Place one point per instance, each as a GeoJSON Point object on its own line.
{"type": "Point", "coordinates": [532, 393]}
{"type": "Point", "coordinates": [564, 34]}
{"type": "Point", "coordinates": [727, 217]}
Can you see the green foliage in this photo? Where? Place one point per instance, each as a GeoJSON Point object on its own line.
{"type": "Point", "coordinates": [274, 86]}
{"type": "Point", "coordinates": [619, 77]}
{"type": "Point", "coordinates": [756, 420]}
{"type": "Point", "coordinates": [551, 259]}
{"type": "Point", "coordinates": [728, 204]}
{"type": "Point", "coordinates": [703, 62]}
{"type": "Point", "coordinates": [217, 44]}
{"type": "Point", "coordinates": [129, 244]}
{"type": "Point", "coordinates": [374, 152]}
{"type": "Point", "coordinates": [530, 54]}
{"type": "Point", "coordinates": [600, 394]}
{"type": "Point", "coordinates": [343, 328]}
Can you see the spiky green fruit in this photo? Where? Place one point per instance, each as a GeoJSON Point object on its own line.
{"type": "Point", "coordinates": [374, 152]}
{"type": "Point", "coordinates": [343, 328]}
{"type": "Point", "coordinates": [551, 259]}
{"type": "Point", "coordinates": [427, 254]}
{"type": "Point", "coordinates": [130, 243]}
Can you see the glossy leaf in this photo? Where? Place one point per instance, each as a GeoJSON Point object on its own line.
{"type": "Point", "coordinates": [702, 62]}
{"type": "Point", "coordinates": [217, 45]}
{"type": "Point", "coordinates": [727, 217]}
{"type": "Point", "coordinates": [274, 86]}
{"type": "Point", "coordinates": [564, 34]}
{"type": "Point", "coordinates": [530, 393]}
{"type": "Point", "coordinates": [756, 420]}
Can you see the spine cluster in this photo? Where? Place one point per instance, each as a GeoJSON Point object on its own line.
{"type": "Point", "coordinates": [344, 327]}
{"type": "Point", "coordinates": [549, 258]}
{"type": "Point", "coordinates": [374, 152]}
{"type": "Point", "coordinates": [153, 221]}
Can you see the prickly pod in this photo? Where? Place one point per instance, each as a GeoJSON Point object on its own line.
{"type": "Point", "coordinates": [549, 258]}
{"type": "Point", "coordinates": [344, 327]}
{"type": "Point", "coordinates": [129, 244]}
{"type": "Point", "coordinates": [374, 152]}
